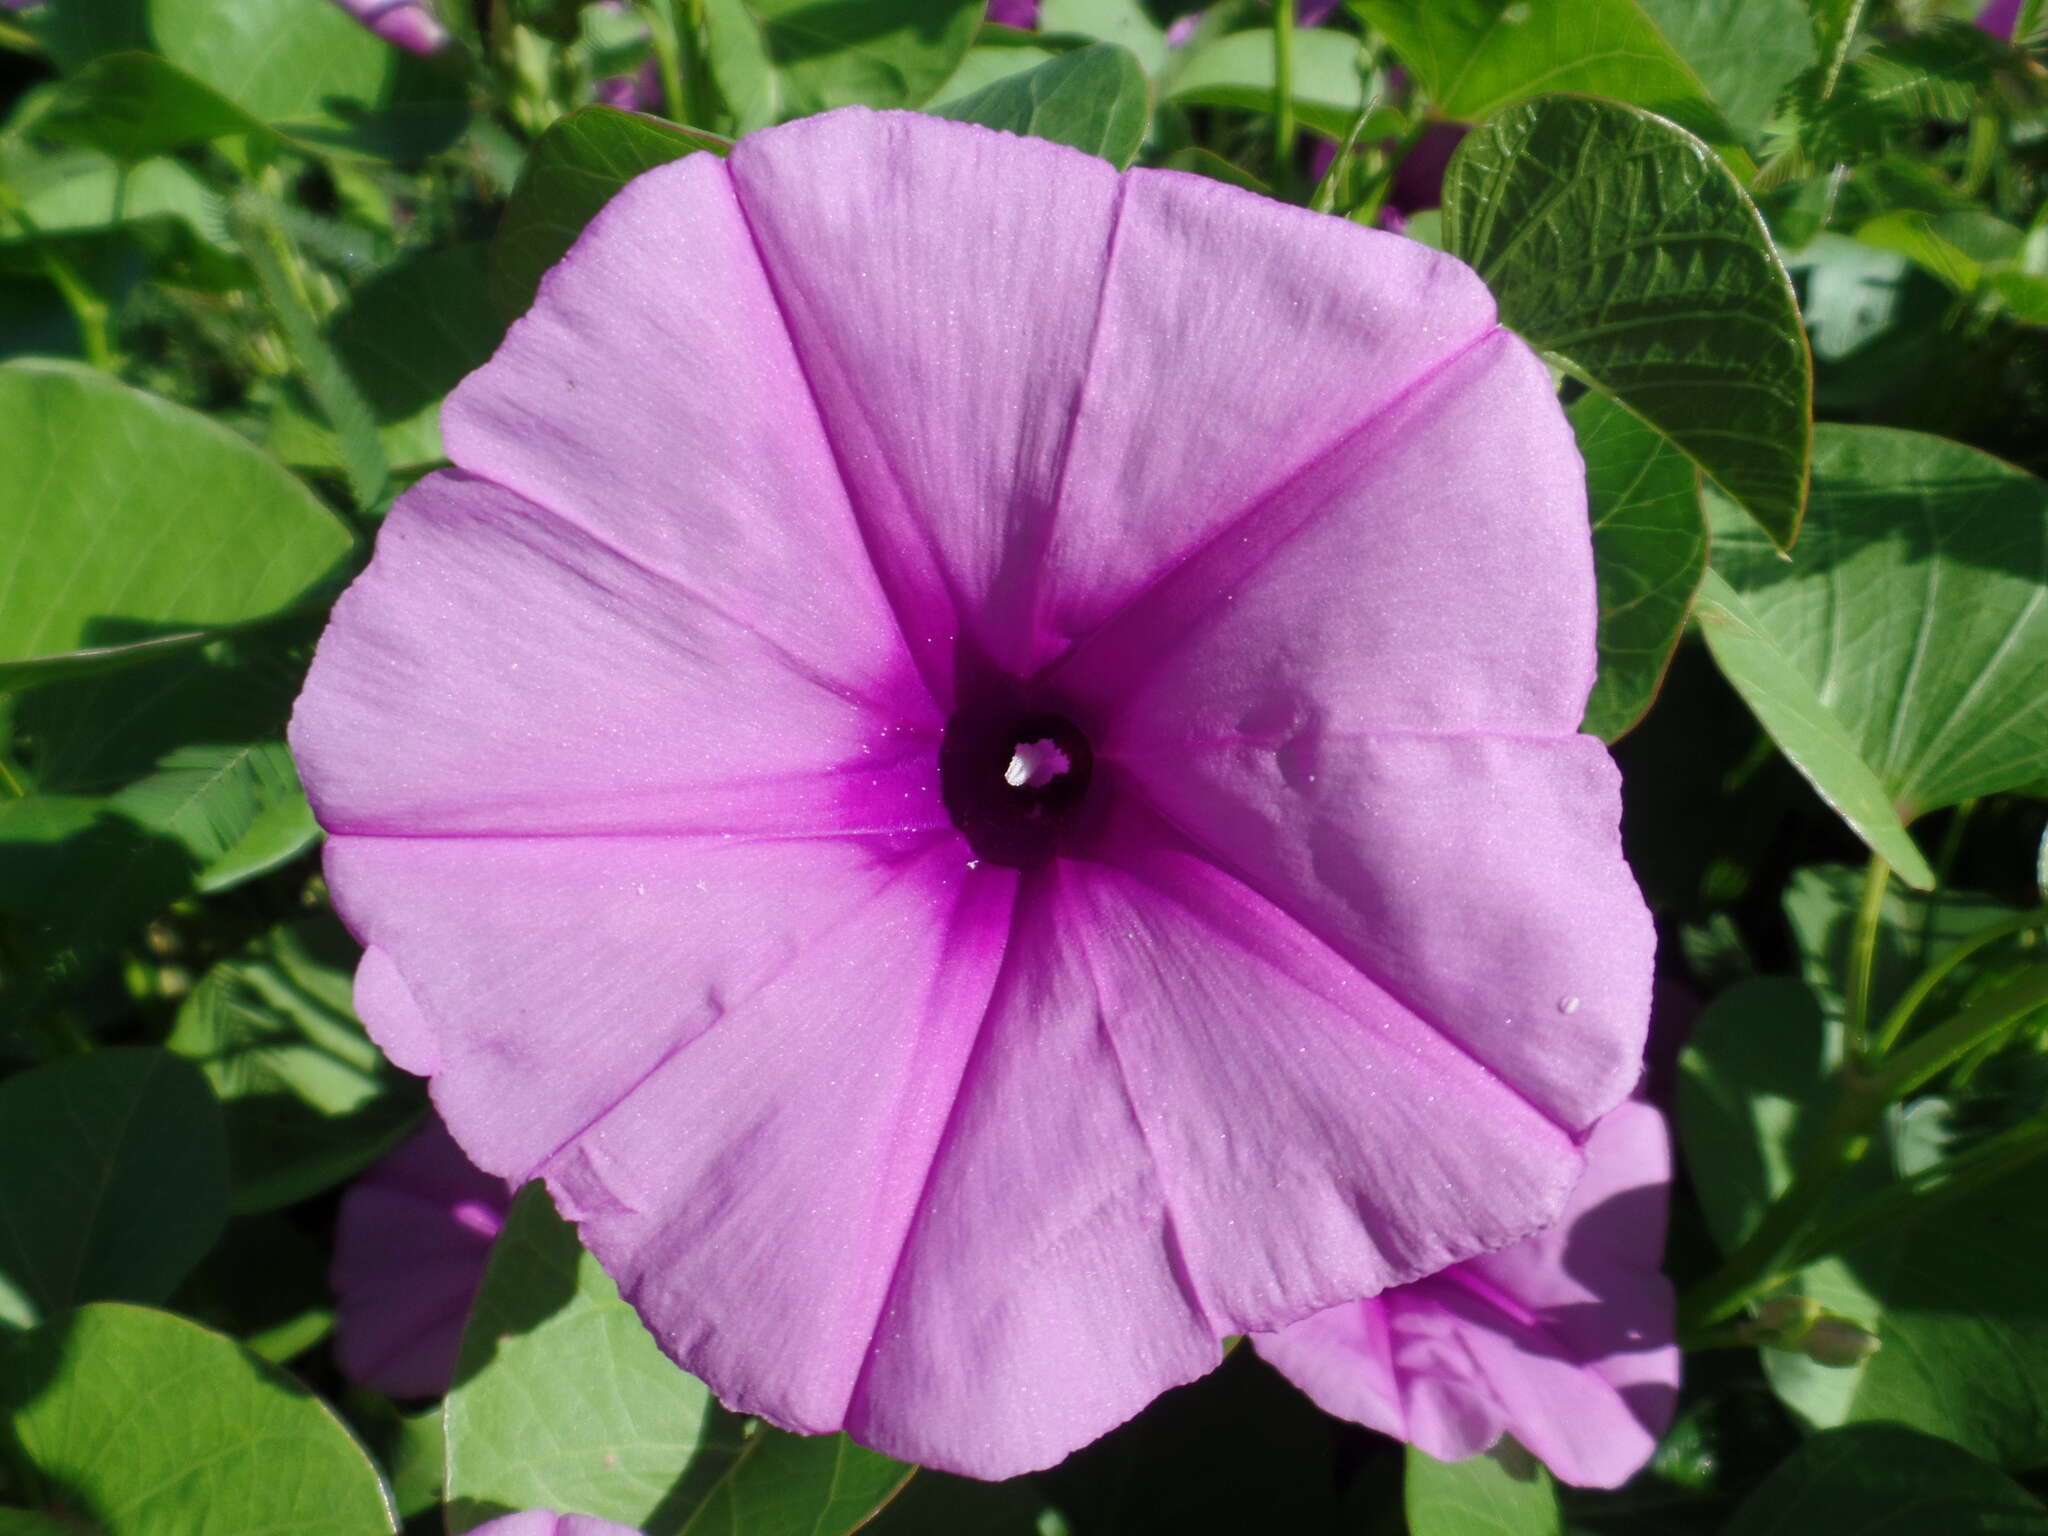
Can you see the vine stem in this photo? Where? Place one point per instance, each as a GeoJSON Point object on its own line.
{"type": "Point", "coordinates": [1917, 994]}
{"type": "Point", "coordinates": [1774, 1249]}
{"type": "Point", "coordinates": [1283, 90]}
{"type": "Point", "coordinates": [1863, 956]}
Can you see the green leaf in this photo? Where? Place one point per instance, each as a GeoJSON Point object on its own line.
{"type": "Point", "coordinates": [1951, 1290]}
{"type": "Point", "coordinates": [1093, 99]}
{"type": "Point", "coordinates": [307, 1099]}
{"type": "Point", "coordinates": [799, 1485]}
{"type": "Point", "coordinates": [985, 65]}
{"type": "Point", "coordinates": [1236, 71]}
{"type": "Point", "coordinates": [1747, 52]}
{"type": "Point", "coordinates": [1126, 23]}
{"type": "Point", "coordinates": [22, 1522]}
{"type": "Point", "coordinates": [113, 1181]}
{"type": "Point", "coordinates": [1811, 736]}
{"type": "Point", "coordinates": [1953, 1294]}
{"type": "Point", "coordinates": [135, 105]}
{"type": "Point", "coordinates": [140, 526]}
{"type": "Point", "coordinates": [142, 1423]}
{"type": "Point", "coordinates": [410, 335]}
{"type": "Point", "coordinates": [1915, 608]}
{"type": "Point", "coordinates": [406, 337]}
{"type": "Point", "coordinates": [1474, 57]}
{"type": "Point", "coordinates": [562, 1399]}
{"type": "Point", "coordinates": [309, 71]}
{"type": "Point", "coordinates": [1478, 1496]}
{"type": "Point", "coordinates": [1619, 244]}
{"type": "Point", "coordinates": [1754, 1083]}
{"type": "Point", "coordinates": [269, 255]}
{"type": "Point", "coordinates": [1650, 550]}
{"type": "Point", "coordinates": [1850, 293]}
{"type": "Point", "coordinates": [777, 59]}
{"type": "Point", "coordinates": [1881, 1480]}
{"type": "Point", "coordinates": [1915, 930]}
{"type": "Point", "coordinates": [574, 169]}
{"type": "Point", "coordinates": [238, 810]}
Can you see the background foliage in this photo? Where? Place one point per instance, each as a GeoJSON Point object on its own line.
{"type": "Point", "coordinates": [245, 249]}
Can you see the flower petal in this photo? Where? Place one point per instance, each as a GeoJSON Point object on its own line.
{"type": "Point", "coordinates": [946, 332]}
{"type": "Point", "coordinates": [1564, 1340]}
{"type": "Point", "coordinates": [1593, 1282]}
{"type": "Point", "coordinates": [1240, 341]}
{"type": "Point", "coordinates": [1432, 572]}
{"type": "Point", "coordinates": [1242, 1131]}
{"type": "Point", "coordinates": [473, 968]}
{"type": "Point", "coordinates": [719, 481]}
{"type": "Point", "coordinates": [410, 1243]}
{"type": "Point", "coordinates": [607, 705]}
{"type": "Point", "coordinates": [1479, 882]}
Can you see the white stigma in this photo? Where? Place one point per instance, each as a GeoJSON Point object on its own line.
{"type": "Point", "coordinates": [1035, 764]}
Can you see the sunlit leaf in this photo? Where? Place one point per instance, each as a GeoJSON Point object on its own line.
{"type": "Point", "coordinates": [1474, 57]}
{"type": "Point", "coordinates": [1649, 550]}
{"type": "Point", "coordinates": [1806, 730]}
{"type": "Point", "coordinates": [562, 1400]}
{"type": "Point", "coordinates": [1619, 244]}
{"type": "Point", "coordinates": [1915, 609]}
{"type": "Point", "coordinates": [142, 524]}
{"type": "Point", "coordinates": [308, 1100]}
{"type": "Point", "coordinates": [143, 1423]}
{"type": "Point", "coordinates": [1093, 99]}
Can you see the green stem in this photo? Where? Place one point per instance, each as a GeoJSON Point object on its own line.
{"type": "Point", "coordinates": [18, 39]}
{"type": "Point", "coordinates": [1917, 994]}
{"type": "Point", "coordinates": [1283, 91]}
{"type": "Point", "coordinates": [87, 308]}
{"type": "Point", "coordinates": [1771, 1252]}
{"type": "Point", "coordinates": [668, 57]}
{"type": "Point", "coordinates": [1766, 1254]}
{"type": "Point", "coordinates": [1883, 1211]}
{"type": "Point", "coordinates": [1863, 953]}
{"type": "Point", "coordinates": [1946, 1044]}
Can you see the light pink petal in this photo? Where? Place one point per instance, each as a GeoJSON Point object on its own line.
{"type": "Point", "coordinates": [410, 1244]}
{"type": "Point", "coordinates": [1432, 572]}
{"type": "Point", "coordinates": [1594, 1284]}
{"type": "Point", "coordinates": [545, 1522]}
{"type": "Point", "coordinates": [651, 398]}
{"type": "Point", "coordinates": [501, 992]}
{"type": "Point", "coordinates": [752, 1193]}
{"type": "Point", "coordinates": [945, 329]}
{"type": "Point", "coordinates": [1365, 705]}
{"type": "Point", "coordinates": [408, 24]}
{"type": "Point", "coordinates": [552, 685]}
{"type": "Point", "coordinates": [1478, 882]}
{"type": "Point", "coordinates": [1564, 1340]}
{"type": "Point", "coordinates": [1241, 341]}
{"type": "Point", "coordinates": [1377, 1150]}
{"type": "Point", "coordinates": [1239, 1121]}
{"type": "Point", "coordinates": [1041, 1298]}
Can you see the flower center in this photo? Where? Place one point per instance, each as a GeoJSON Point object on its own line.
{"type": "Point", "coordinates": [1012, 781]}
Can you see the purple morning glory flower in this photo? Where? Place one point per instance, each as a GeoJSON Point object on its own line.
{"type": "Point", "coordinates": [1564, 1341]}
{"type": "Point", "coordinates": [2000, 18]}
{"type": "Point", "coordinates": [408, 24]}
{"type": "Point", "coordinates": [1013, 13]}
{"type": "Point", "coordinates": [545, 1522]}
{"type": "Point", "coordinates": [409, 1252]}
{"type": "Point", "coordinates": [981, 845]}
